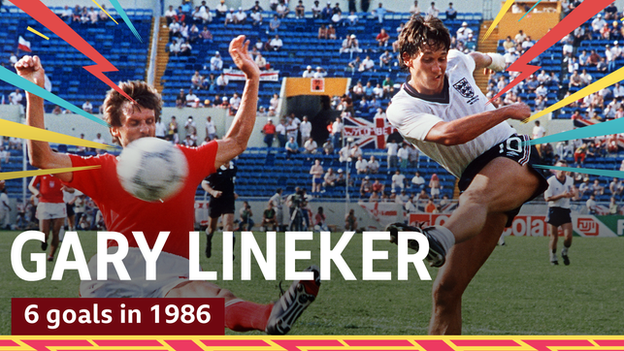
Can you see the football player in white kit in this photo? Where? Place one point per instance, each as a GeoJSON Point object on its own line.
{"type": "Point", "coordinates": [560, 190]}
{"type": "Point", "coordinates": [443, 113]}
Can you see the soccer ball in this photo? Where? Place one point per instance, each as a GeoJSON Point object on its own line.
{"type": "Point", "coordinates": [152, 169]}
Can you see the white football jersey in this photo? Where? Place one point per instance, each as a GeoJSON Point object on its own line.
{"type": "Point", "coordinates": [414, 115]}
{"type": "Point", "coordinates": [555, 187]}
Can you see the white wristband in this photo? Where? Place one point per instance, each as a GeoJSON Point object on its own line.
{"type": "Point", "coordinates": [498, 62]}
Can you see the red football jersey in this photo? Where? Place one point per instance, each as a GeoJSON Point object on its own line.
{"type": "Point", "coordinates": [125, 213]}
{"type": "Point", "coordinates": [50, 189]}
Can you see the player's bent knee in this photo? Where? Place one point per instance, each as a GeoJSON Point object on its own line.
{"type": "Point", "coordinates": [473, 198]}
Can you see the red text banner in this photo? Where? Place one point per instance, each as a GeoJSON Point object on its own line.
{"type": "Point", "coordinates": [132, 316]}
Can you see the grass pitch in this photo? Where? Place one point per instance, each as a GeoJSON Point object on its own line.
{"type": "Point", "coordinates": [516, 292]}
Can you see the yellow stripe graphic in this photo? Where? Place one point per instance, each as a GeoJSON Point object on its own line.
{"type": "Point", "coordinates": [36, 32]}
{"type": "Point", "coordinates": [106, 12]}
{"type": "Point", "coordinates": [24, 174]}
{"type": "Point", "coordinates": [17, 130]}
{"type": "Point", "coordinates": [498, 18]}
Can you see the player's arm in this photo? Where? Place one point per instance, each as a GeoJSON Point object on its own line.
{"type": "Point", "coordinates": [467, 128]}
{"type": "Point", "coordinates": [40, 154]}
{"type": "Point", "coordinates": [206, 186]}
{"type": "Point", "coordinates": [33, 188]}
{"type": "Point", "coordinates": [235, 141]}
{"type": "Point", "coordinates": [557, 197]}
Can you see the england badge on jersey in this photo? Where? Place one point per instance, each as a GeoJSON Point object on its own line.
{"type": "Point", "coordinates": [466, 90]}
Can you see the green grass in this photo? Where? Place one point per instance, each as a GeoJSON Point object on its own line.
{"type": "Point", "coordinates": [516, 292]}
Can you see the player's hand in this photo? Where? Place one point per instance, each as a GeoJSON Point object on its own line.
{"type": "Point", "coordinates": [518, 111]}
{"type": "Point", "coordinates": [242, 59]}
{"type": "Point", "coordinates": [30, 67]}
{"type": "Point", "coordinates": [217, 194]}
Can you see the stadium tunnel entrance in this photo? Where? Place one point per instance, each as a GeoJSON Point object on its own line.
{"type": "Point", "coordinates": [318, 110]}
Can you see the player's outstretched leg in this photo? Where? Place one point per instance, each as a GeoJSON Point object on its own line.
{"type": "Point", "coordinates": [292, 303]}
{"type": "Point", "coordinates": [437, 253]}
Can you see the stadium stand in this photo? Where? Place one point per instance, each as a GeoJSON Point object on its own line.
{"type": "Point", "coordinates": [114, 42]}
{"type": "Point", "coordinates": [261, 170]}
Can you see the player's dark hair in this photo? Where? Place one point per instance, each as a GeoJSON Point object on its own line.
{"type": "Point", "coordinates": [142, 93]}
{"type": "Point", "coordinates": [420, 32]}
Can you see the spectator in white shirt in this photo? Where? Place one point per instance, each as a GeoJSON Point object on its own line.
{"type": "Point", "coordinates": [240, 16]}
{"type": "Point", "coordinates": [308, 73]}
{"type": "Point", "coordinates": [256, 17]}
{"type": "Point", "coordinates": [418, 181]}
{"type": "Point", "coordinates": [433, 10]}
{"type": "Point", "coordinates": [282, 9]}
{"type": "Point", "coordinates": [235, 102]}
{"type": "Point", "coordinates": [598, 23]}
{"type": "Point", "coordinates": [355, 151]}
{"type": "Point", "coordinates": [337, 132]}
{"type": "Point", "coordinates": [87, 106]}
{"type": "Point", "coordinates": [403, 156]}
{"type": "Point", "coordinates": [361, 165]}
{"type": "Point", "coordinates": [211, 129]}
{"type": "Point", "coordinates": [16, 97]}
{"type": "Point", "coordinates": [261, 62]}
{"type": "Point", "coordinates": [586, 77]}
{"type": "Point", "coordinates": [221, 9]}
{"type": "Point", "coordinates": [222, 81]}
{"type": "Point", "coordinates": [380, 113]}
{"type": "Point", "coordinates": [373, 165]}
{"type": "Point", "coordinates": [463, 31]}
{"type": "Point", "coordinates": [310, 146]}
{"type": "Point", "coordinates": [538, 131]}
{"type": "Point", "coordinates": [216, 62]}
{"type": "Point", "coordinates": [367, 64]}
{"type": "Point", "coordinates": [541, 91]}
{"type": "Point", "coordinates": [398, 180]}
{"type": "Point", "coordinates": [320, 73]}
{"type": "Point", "coordinates": [175, 47]}
{"type": "Point", "coordinates": [305, 128]}
{"type": "Point", "coordinates": [276, 43]}
{"type": "Point", "coordinates": [610, 58]}
{"type": "Point", "coordinates": [616, 49]}
{"type": "Point", "coordinates": [414, 9]}
{"type": "Point", "coordinates": [392, 147]}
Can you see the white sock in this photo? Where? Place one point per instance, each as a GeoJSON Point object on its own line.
{"type": "Point", "coordinates": [444, 236]}
{"type": "Point", "coordinates": [564, 251]}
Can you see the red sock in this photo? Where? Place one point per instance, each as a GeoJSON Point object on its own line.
{"type": "Point", "coordinates": [244, 316]}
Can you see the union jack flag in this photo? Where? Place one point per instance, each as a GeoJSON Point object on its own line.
{"type": "Point", "coordinates": [368, 134]}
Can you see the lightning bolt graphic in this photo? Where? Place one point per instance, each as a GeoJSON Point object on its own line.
{"type": "Point", "coordinates": [604, 128]}
{"type": "Point", "coordinates": [42, 14]}
{"type": "Point", "coordinates": [498, 18]}
{"type": "Point", "coordinates": [24, 174]}
{"type": "Point", "coordinates": [13, 79]}
{"type": "Point", "coordinates": [576, 18]}
{"type": "Point", "coordinates": [123, 15]}
{"type": "Point", "coordinates": [590, 89]}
